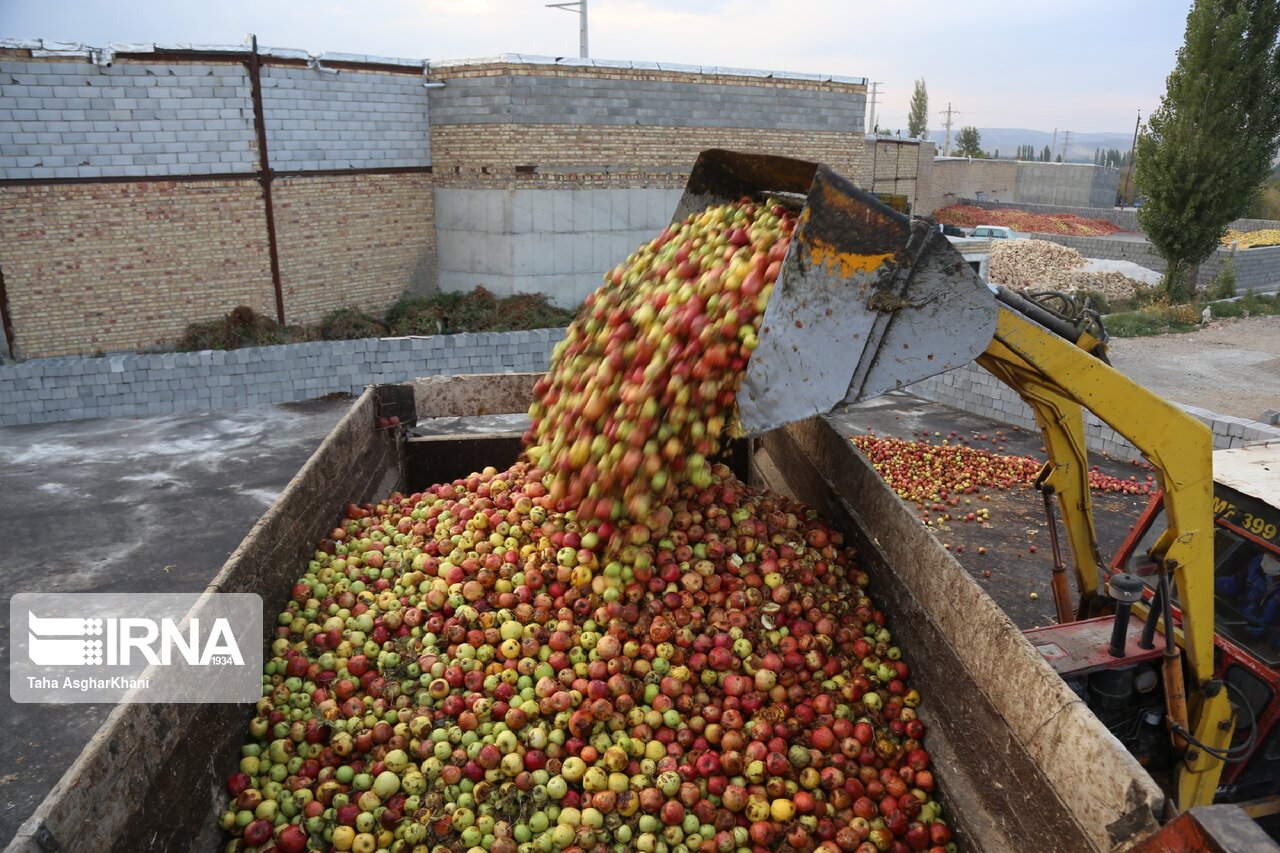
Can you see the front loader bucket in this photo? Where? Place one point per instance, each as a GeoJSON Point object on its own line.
{"type": "Point", "coordinates": [867, 301]}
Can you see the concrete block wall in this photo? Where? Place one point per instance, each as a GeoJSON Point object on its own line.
{"type": "Point", "coordinates": [331, 119]}
{"type": "Point", "coordinates": [543, 116]}
{"type": "Point", "coordinates": [1253, 267]}
{"type": "Point", "coordinates": [110, 267]}
{"type": "Point", "coordinates": [1126, 218]}
{"type": "Point", "coordinates": [971, 389]}
{"type": "Point", "coordinates": [513, 124]}
{"type": "Point", "coordinates": [75, 119]}
{"type": "Point", "coordinates": [529, 95]}
{"type": "Point", "coordinates": [554, 241]}
{"type": "Point", "coordinates": [125, 386]}
{"type": "Point", "coordinates": [1255, 224]}
{"type": "Point", "coordinates": [548, 174]}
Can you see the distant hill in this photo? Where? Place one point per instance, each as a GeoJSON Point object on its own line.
{"type": "Point", "coordinates": [1007, 139]}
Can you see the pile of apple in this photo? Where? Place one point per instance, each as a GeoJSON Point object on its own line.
{"type": "Point", "coordinates": [554, 658]}
{"type": "Point", "coordinates": [643, 385]}
{"type": "Point", "coordinates": [938, 478]}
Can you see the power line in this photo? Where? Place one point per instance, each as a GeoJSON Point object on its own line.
{"type": "Point", "coordinates": [874, 93]}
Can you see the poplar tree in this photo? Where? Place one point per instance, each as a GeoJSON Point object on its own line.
{"type": "Point", "coordinates": [918, 117]}
{"type": "Point", "coordinates": [1209, 146]}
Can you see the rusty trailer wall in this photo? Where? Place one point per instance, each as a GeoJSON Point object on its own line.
{"type": "Point", "coordinates": [1022, 762]}
{"type": "Point", "coordinates": [152, 777]}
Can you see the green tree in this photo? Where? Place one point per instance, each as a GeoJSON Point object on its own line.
{"type": "Point", "coordinates": [1267, 203]}
{"type": "Point", "coordinates": [968, 142]}
{"type": "Point", "coordinates": [1045, 156]}
{"type": "Point", "coordinates": [918, 116]}
{"type": "Point", "coordinates": [1209, 145]}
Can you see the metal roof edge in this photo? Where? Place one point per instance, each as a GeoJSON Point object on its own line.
{"type": "Point", "coordinates": [43, 47]}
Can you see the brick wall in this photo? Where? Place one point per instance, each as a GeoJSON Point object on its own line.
{"type": "Point", "coordinates": [360, 240]}
{"type": "Point", "coordinates": [118, 266]}
{"type": "Point", "coordinates": [344, 119]}
{"type": "Point", "coordinates": [510, 125]}
{"type": "Point", "coordinates": [890, 166]}
{"type": "Point", "coordinates": [61, 119]}
{"type": "Point", "coordinates": [484, 154]}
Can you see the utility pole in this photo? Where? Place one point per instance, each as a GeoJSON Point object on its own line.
{"type": "Point", "coordinates": [1066, 140]}
{"type": "Point", "coordinates": [1124, 196]}
{"type": "Point", "coordinates": [946, 147]}
{"type": "Point", "coordinates": [871, 129]}
{"type": "Point", "coordinates": [579, 6]}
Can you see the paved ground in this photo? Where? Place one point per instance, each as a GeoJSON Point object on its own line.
{"type": "Point", "coordinates": [1011, 571]}
{"type": "Point", "coordinates": [125, 505]}
{"type": "Point", "coordinates": [1231, 367]}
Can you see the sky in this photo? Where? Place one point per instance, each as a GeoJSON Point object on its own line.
{"type": "Point", "coordinates": [1087, 66]}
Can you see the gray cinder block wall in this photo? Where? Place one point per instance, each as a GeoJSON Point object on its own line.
{"type": "Point", "coordinates": [1126, 218]}
{"type": "Point", "coordinates": [67, 119]}
{"type": "Point", "coordinates": [62, 119]}
{"type": "Point", "coordinates": [1254, 268]}
{"type": "Point", "coordinates": [75, 388]}
{"type": "Point", "coordinates": [317, 119]}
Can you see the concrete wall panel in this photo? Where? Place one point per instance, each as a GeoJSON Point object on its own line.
{"type": "Point", "coordinates": [555, 241]}
{"type": "Point", "coordinates": [1082, 185]}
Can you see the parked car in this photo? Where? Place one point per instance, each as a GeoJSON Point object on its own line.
{"type": "Point", "coordinates": [992, 232]}
{"type": "Point", "coordinates": [952, 230]}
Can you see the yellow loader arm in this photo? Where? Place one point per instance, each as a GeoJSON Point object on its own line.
{"type": "Point", "coordinates": [868, 301]}
{"type": "Point", "coordinates": [1058, 379]}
